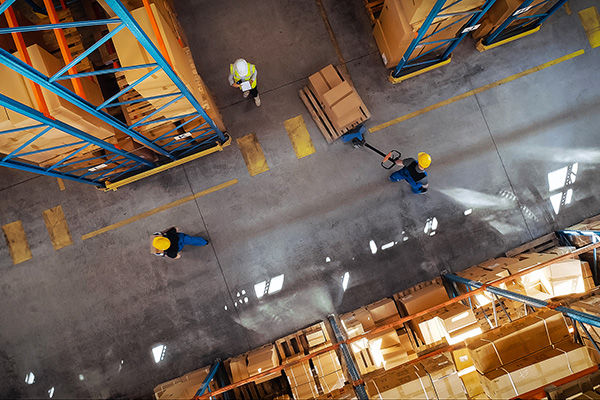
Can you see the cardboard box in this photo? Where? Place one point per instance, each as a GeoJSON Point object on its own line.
{"type": "Point", "coordinates": [510, 342]}
{"type": "Point", "coordinates": [327, 363]}
{"type": "Point", "coordinates": [323, 81]}
{"type": "Point", "coordinates": [299, 374]}
{"type": "Point", "coordinates": [340, 101]}
{"type": "Point", "coordinates": [455, 323]}
{"type": "Point", "coordinates": [333, 381]}
{"type": "Point", "coordinates": [383, 311]}
{"type": "Point", "coordinates": [393, 34]}
{"type": "Point", "coordinates": [403, 383]}
{"type": "Point", "coordinates": [239, 368]}
{"type": "Point", "coordinates": [416, 11]}
{"type": "Point", "coordinates": [424, 298]}
{"type": "Point", "coordinates": [357, 322]}
{"type": "Point", "coordinates": [307, 391]}
{"type": "Point", "coordinates": [183, 387]}
{"type": "Point", "coordinates": [315, 338]}
{"type": "Point", "coordinates": [262, 359]}
{"type": "Point", "coordinates": [536, 370]}
{"type": "Point", "coordinates": [347, 393]}
{"type": "Point", "coordinates": [472, 383]}
{"type": "Point", "coordinates": [450, 387]}
{"type": "Point", "coordinates": [501, 10]}
{"type": "Point", "coordinates": [462, 359]}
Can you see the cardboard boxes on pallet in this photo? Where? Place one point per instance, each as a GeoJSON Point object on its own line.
{"type": "Point", "coordinates": [253, 363]}
{"type": "Point", "coordinates": [454, 323]}
{"type": "Point", "coordinates": [329, 372]}
{"type": "Point", "coordinates": [334, 103]}
{"type": "Point", "coordinates": [409, 382]}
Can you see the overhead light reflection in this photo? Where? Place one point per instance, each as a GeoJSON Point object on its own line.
{"type": "Point", "coordinates": [373, 246]}
{"type": "Point", "coordinates": [51, 392]}
{"type": "Point", "coordinates": [157, 351]}
{"type": "Point", "coordinates": [387, 246]}
{"type": "Point", "coordinates": [345, 280]}
{"type": "Point", "coordinates": [557, 178]}
{"type": "Point", "coordinates": [276, 284]}
{"type": "Point", "coordinates": [30, 378]}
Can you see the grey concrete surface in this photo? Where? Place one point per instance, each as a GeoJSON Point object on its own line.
{"type": "Point", "coordinates": [84, 318]}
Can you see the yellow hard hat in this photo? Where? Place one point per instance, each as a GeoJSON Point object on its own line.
{"type": "Point", "coordinates": [161, 243]}
{"type": "Point", "coordinates": [424, 160]}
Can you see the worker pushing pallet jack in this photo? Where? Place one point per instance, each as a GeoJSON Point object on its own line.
{"type": "Point", "coordinates": [413, 171]}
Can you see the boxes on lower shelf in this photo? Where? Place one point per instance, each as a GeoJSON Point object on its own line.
{"type": "Point", "coordinates": [184, 387]}
{"type": "Point", "coordinates": [253, 363]}
{"type": "Point", "coordinates": [408, 382]}
{"type": "Point", "coordinates": [454, 323]}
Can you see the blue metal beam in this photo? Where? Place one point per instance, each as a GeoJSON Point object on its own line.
{"type": "Point", "coordinates": [579, 316]}
{"type": "Point", "coordinates": [209, 377]}
{"type": "Point", "coordinates": [54, 123]}
{"type": "Point", "coordinates": [31, 73]}
{"type": "Point", "coordinates": [63, 25]}
{"type": "Point", "coordinates": [105, 71]}
{"type": "Point", "coordinates": [141, 36]}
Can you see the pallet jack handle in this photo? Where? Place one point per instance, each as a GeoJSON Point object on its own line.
{"type": "Point", "coordinates": [357, 139]}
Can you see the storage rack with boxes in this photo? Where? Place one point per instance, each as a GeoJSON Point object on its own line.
{"type": "Point", "coordinates": [414, 36]}
{"type": "Point", "coordinates": [56, 120]}
{"type": "Point", "coordinates": [433, 340]}
{"type": "Point", "coordinates": [508, 20]}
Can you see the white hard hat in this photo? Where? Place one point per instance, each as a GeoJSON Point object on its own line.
{"type": "Point", "coordinates": [241, 66]}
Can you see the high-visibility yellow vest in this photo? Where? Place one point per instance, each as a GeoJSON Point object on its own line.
{"type": "Point", "coordinates": [238, 78]}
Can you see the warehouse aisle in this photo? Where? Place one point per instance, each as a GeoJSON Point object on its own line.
{"type": "Point", "coordinates": [84, 319]}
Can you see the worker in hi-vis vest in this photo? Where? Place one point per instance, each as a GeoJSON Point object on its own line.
{"type": "Point", "coordinates": [413, 172]}
{"type": "Point", "coordinates": [242, 75]}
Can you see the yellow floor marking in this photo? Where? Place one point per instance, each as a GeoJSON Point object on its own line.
{"type": "Point", "coordinates": [299, 136]}
{"type": "Point", "coordinates": [476, 91]}
{"type": "Point", "coordinates": [591, 23]}
{"type": "Point", "coordinates": [61, 184]}
{"type": "Point", "coordinates": [482, 47]}
{"type": "Point", "coordinates": [159, 209]}
{"type": "Point", "coordinates": [334, 42]}
{"type": "Point", "coordinates": [57, 226]}
{"type": "Point", "coordinates": [16, 240]}
{"type": "Point", "coordinates": [253, 154]}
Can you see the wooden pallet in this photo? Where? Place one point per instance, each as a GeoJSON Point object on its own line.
{"type": "Point", "coordinates": [538, 245]}
{"type": "Point", "coordinates": [374, 8]}
{"type": "Point", "coordinates": [73, 41]}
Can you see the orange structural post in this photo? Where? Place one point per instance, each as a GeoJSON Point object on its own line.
{"type": "Point", "coordinates": [64, 47]}
{"type": "Point", "coordinates": [63, 5]}
{"type": "Point", "coordinates": [20, 43]}
{"type": "Point", "coordinates": [159, 39]}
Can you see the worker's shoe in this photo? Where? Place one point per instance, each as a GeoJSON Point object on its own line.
{"type": "Point", "coordinates": [246, 93]}
{"type": "Point", "coordinates": [257, 101]}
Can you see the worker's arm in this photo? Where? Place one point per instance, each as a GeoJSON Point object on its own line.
{"type": "Point", "coordinates": [232, 81]}
{"type": "Point", "coordinates": [254, 75]}
{"type": "Point", "coordinates": [399, 162]}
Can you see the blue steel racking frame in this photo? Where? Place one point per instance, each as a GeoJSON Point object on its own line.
{"type": "Point", "coordinates": [174, 146]}
{"type": "Point", "coordinates": [440, 54]}
{"type": "Point", "coordinates": [529, 24]}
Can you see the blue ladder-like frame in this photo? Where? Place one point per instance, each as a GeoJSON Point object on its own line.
{"type": "Point", "coordinates": [175, 144]}
{"type": "Point", "coordinates": [470, 19]}
{"type": "Point", "coordinates": [527, 23]}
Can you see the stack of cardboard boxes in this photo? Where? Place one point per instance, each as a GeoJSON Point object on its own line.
{"type": "Point", "coordinates": [338, 100]}
{"type": "Point", "coordinates": [386, 349]}
{"type": "Point", "coordinates": [400, 21]}
{"type": "Point", "coordinates": [529, 353]}
{"type": "Point", "coordinates": [329, 372]}
{"type": "Point", "coordinates": [467, 373]}
{"type": "Point", "coordinates": [454, 323]}
{"type": "Point", "coordinates": [589, 305]}
{"type": "Point", "coordinates": [253, 363]}
{"type": "Point", "coordinates": [434, 378]}
{"type": "Point", "coordinates": [302, 381]}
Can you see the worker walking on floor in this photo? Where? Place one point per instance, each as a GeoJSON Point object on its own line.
{"type": "Point", "coordinates": [413, 172]}
{"type": "Point", "coordinates": [170, 242]}
{"type": "Point", "coordinates": [242, 75]}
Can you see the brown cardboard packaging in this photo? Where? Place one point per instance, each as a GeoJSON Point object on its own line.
{"type": "Point", "coordinates": [510, 342]}
{"type": "Point", "coordinates": [307, 391]}
{"type": "Point", "coordinates": [536, 370]}
{"type": "Point", "coordinates": [501, 10]}
{"type": "Point", "coordinates": [424, 298]}
{"type": "Point", "coordinates": [299, 374]}
{"type": "Point", "coordinates": [327, 363]}
{"type": "Point", "coordinates": [238, 367]}
{"type": "Point", "coordinates": [416, 11]}
{"type": "Point", "coordinates": [472, 383]}
{"type": "Point", "coordinates": [392, 33]}
{"type": "Point", "coordinates": [184, 387]}
{"type": "Point", "coordinates": [383, 311]}
{"type": "Point", "coordinates": [262, 359]}
{"type": "Point", "coordinates": [332, 381]}
{"type": "Point", "coordinates": [323, 81]}
{"type": "Point", "coordinates": [462, 359]}
{"type": "Point", "coordinates": [357, 322]}
{"type": "Point", "coordinates": [403, 383]}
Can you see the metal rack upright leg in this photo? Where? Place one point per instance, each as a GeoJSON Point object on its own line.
{"type": "Point", "coordinates": [359, 386]}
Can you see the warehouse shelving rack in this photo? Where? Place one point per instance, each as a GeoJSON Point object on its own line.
{"type": "Point", "coordinates": [177, 145]}
{"type": "Point", "coordinates": [525, 24]}
{"type": "Point", "coordinates": [579, 318]}
{"type": "Point", "coordinates": [440, 54]}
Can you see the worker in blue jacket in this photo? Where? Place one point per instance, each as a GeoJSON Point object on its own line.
{"type": "Point", "coordinates": [413, 172]}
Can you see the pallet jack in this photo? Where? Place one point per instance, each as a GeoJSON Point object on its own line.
{"type": "Point", "coordinates": [356, 137]}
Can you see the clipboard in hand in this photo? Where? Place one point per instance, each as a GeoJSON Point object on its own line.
{"type": "Point", "coordinates": [246, 85]}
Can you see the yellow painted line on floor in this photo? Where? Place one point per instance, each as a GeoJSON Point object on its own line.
{"type": "Point", "coordinates": [591, 23]}
{"type": "Point", "coordinates": [476, 91]}
{"type": "Point", "coordinates": [17, 243]}
{"type": "Point", "coordinates": [159, 209]}
{"type": "Point", "coordinates": [299, 136]}
{"type": "Point", "coordinates": [57, 226]}
{"type": "Point", "coordinates": [253, 154]}
{"type": "Point", "coordinates": [61, 184]}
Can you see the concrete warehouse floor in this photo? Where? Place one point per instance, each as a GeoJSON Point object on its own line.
{"type": "Point", "coordinates": [84, 319]}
